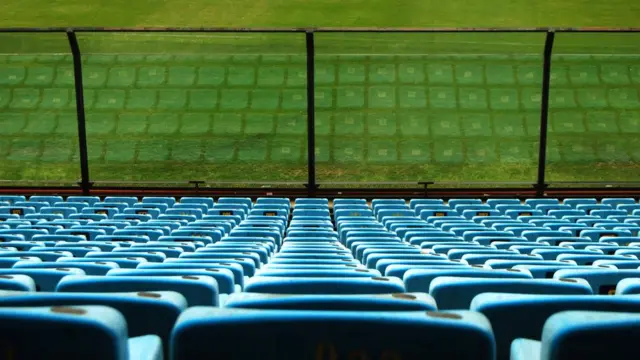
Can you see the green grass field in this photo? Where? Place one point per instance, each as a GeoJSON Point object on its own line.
{"type": "Point", "coordinates": [389, 107]}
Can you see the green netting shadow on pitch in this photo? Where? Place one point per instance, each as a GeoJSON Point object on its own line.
{"type": "Point", "coordinates": [180, 107]}
{"type": "Point", "coordinates": [38, 122]}
{"type": "Point", "coordinates": [594, 112]}
{"type": "Point", "coordinates": [419, 107]}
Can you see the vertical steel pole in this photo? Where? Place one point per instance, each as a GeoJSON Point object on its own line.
{"type": "Point", "coordinates": [85, 182]}
{"type": "Point", "coordinates": [311, 115]}
{"type": "Point", "coordinates": [541, 184]}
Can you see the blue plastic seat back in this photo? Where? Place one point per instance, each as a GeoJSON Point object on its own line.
{"type": "Point", "coordinates": [337, 201]}
{"type": "Point", "coordinates": [197, 290]}
{"type": "Point", "coordinates": [516, 214]}
{"type": "Point", "coordinates": [151, 256]}
{"type": "Point", "coordinates": [32, 204]}
{"type": "Point", "coordinates": [588, 335]}
{"type": "Point", "coordinates": [132, 217]}
{"type": "Point", "coordinates": [429, 213]}
{"type": "Point", "coordinates": [87, 233]}
{"type": "Point", "coordinates": [457, 293]}
{"type": "Point", "coordinates": [236, 200]}
{"type": "Point", "coordinates": [628, 286]}
{"type": "Point", "coordinates": [261, 251]}
{"type": "Point", "coordinates": [352, 213]}
{"type": "Point", "coordinates": [275, 235]}
{"type": "Point", "coordinates": [168, 201]}
{"type": "Point", "coordinates": [415, 202]}
{"type": "Point", "coordinates": [223, 277]}
{"type": "Point", "coordinates": [145, 312]}
{"type": "Point", "coordinates": [16, 282]}
{"type": "Point", "coordinates": [90, 268]}
{"type": "Point", "coordinates": [185, 211]}
{"type": "Point", "coordinates": [214, 234]}
{"type": "Point", "coordinates": [235, 268]}
{"type": "Point", "coordinates": [108, 211]}
{"type": "Point", "coordinates": [524, 315]}
{"type": "Point", "coordinates": [64, 211]}
{"type": "Point", "coordinates": [307, 285]}
{"type": "Point", "coordinates": [320, 273]}
{"type": "Point", "coordinates": [419, 280]}
{"type": "Point", "coordinates": [27, 234]}
{"type": "Point", "coordinates": [248, 265]}
{"type": "Point", "coordinates": [45, 279]}
{"type": "Point", "coordinates": [116, 205]}
{"type": "Point", "coordinates": [86, 199]}
{"type": "Point", "coordinates": [12, 199]}
{"type": "Point", "coordinates": [153, 235]}
{"type": "Point", "coordinates": [369, 302]}
{"type": "Point", "coordinates": [151, 212]}
{"type": "Point", "coordinates": [205, 332]}
{"type": "Point", "coordinates": [399, 269]}
{"type": "Point", "coordinates": [598, 234]}
{"type": "Point", "coordinates": [98, 332]}
{"type": "Point", "coordinates": [603, 281]}
{"type": "Point", "coordinates": [75, 251]}
{"type": "Point", "coordinates": [129, 200]}
{"type": "Point", "coordinates": [197, 200]}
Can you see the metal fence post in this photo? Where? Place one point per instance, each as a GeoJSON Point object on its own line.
{"type": "Point", "coordinates": [541, 183]}
{"type": "Point", "coordinates": [85, 182]}
{"type": "Point", "coordinates": [311, 114]}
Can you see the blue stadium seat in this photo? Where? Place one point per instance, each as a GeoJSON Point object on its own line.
{"type": "Point", "coordinates": [628, 286]}
{"type": "Point", "coordinates": [457, 293]}
{"type": "Point", "coordinates": [248, 266]}
{"type": "Point", "coordinates": [86, 199]}
{"type": "Point", "coordinates": [306, 285]}
{"type": "Point", "coordinates": [124, 262]}
{"type": "Point", "coordinates": [151, 256]}
{"type": "Point", "coordinates": [523, 315]}
{"type": "Point", "coordinates": [544, 271]}
{"type": "Point", "coordinates": [399, 269]}
{"type": "Point", "coordinates": [205, 332]}
{"type": "Point", "coordinates": [198, 290]}
{"type": "Point", "coordinates": [582, 335]}
{"type": "Point", "coordinates": [17, 283]}
{"type": "Point", "coordinates": [603, 281]}
{"type": "Point", "coordinates": [385, 302]}
{"type": "Point", "coordinates": [223, 277]}
{"type": "Point", "coordinates": [320, 273]}
{"type": "Point", "coordinates": [167, 201]}
{"type": "Point", "coordinates": [235, 268]}
{"type": "Point", "coordinates": [97, 332]}
{"type": "Point", "coordinates": [145, 312]}
{"type": "Point", "coordinates": [74, 251]}
{"type": "Point", "coordinates": [12, 199]}
{"type": "Point", "coordinates": [45, 279]}
{"type": "Point", "coordinates": [90, 268]}
{"type": "Point", "coordinates": [419, 280]}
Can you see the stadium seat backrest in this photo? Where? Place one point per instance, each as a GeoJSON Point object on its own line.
{"type": "Point", "coordinates": [308, 285]}
{"type": "Point", "coordinates": [205, 333]}
{"type": "Point", "coordinates": [61, 332]}
{"type": "Point", "coordinates": [45, 279]}
{"type": "Point", "coordinates": [524, 315]}
{"type": "Point", "coordinates": [419, 280]}
{"type": "Point", "coordinates": [17, 282]}
{"type": "Point", "coordinates": [145, 312]}
{"type": "Point", "coordinates": [198, 290]}
{"type": "Point", "coordinates": [223, 277]}
{"type": "Point", "coordinates": [384, 302]}
{"type": "Point", "coordinates": [584, 335]}
{"type": "Point", "coordinates": [458, 292]}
